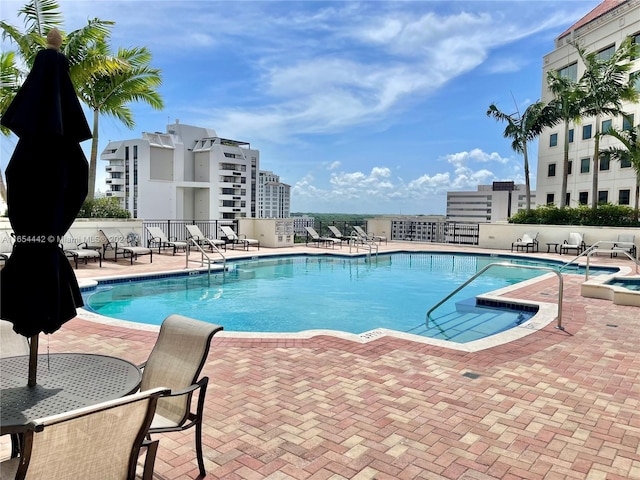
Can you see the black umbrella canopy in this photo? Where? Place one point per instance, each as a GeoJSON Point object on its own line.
{"type": "Point", "coordinates": [47, 181]}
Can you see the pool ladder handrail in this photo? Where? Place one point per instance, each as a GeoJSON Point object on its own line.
{"type": "Point", "coordinates": [192, 241]}
{"type": "Point", "coordinates": [595, 248]}
{"type": "Point", "coordinates": [509, 265]}
{"type": "Point", "coordinates": [357, 241]}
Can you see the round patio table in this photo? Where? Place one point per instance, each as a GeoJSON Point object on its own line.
{"type": "Point", "coordinates": [65, 381]}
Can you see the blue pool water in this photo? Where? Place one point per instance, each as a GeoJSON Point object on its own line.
{"type": "Point", "coordinates": [628, 283]}
{"type": "Point", "coordinates": [297, 293]}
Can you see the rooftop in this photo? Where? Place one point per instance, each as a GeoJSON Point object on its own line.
{"type": "Point", "coordinates": [552, 405]}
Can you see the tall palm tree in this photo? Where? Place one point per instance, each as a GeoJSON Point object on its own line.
{"type": "Point", "coordinates": [521, 129]}
{"type": "Point", "coordinates": [109, 94]}
{"type": "Point", "coordinates": [605, 86]}
{"type": "Point", "coordinates": [566, 104]}
{"type": "Point", "coordinates": [630, 152]}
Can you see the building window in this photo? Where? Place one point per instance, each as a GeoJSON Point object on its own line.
{"type": "Point", "coordinates": [570, 72]}
{"type": "Point", "coordinates": [567, 199]}
{"type": "Point", "coordinates": [627, 121]}
{"type": "Point", "coordinates": [584, 165]}
{"type": "Point", "coordinates": [126, 153]}
{"type": "Point", "coordinates": [606, 126]}
{"type": "Point", "coordinates": [606, 53]}
{"type": "Point", "coordinates": [605, 160]}
{"type": "Point", "coordinates": [583, 198]}
{"type": "Point", "coordinates": [550, 197]}
{"type": "Point", "coordinates": [625, 162]}
{"type": "Point", "coordinates": [135, 152]}
{"type": "Point", "coordinates": [586, 132]}
{"type": "Point", "coordinates": [571, 135]}
{"type": "Point", "coordinates": [636, 80]}
{"type": "Point", "coordinates": [553, 140]}
{"type": "Point", "coordinates": [570, 168]}
{"type": "Point", "coordinates": [624, 197]}
{"type": "Point", "coordinates": [551, 172]}
{"type": "Point", "coordinates": [603, 196]}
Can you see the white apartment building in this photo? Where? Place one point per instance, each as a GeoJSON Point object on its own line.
{"type": "Point", "coordinates": [186, 173]}
{"type": "Point", "coordinates": [488, 204]}
{"type": "Point", "coordinates": [274, 197]}
{"type": "Point", "coordinates": [601, 30]}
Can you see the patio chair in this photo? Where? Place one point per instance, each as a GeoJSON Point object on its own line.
{"type": "Point", "coordinates": [12, 344]}
{"type": "Point", "coordinates": [625, 243]}
{"type": "Point", "coordinates": [175, 362]}
{"type": "Point", "coordinates": [195, 234]}
{"type": "Point", "coordinates": [338, 234]}
{"type": "Point", "coordinates": [6, 245]}
{"type": "Point", "coordinates": [160, 240]}
{"type": "Point", "coordinates": [100, 441]}
{"type": "Point", "coordinates": [369, 236]}
{"type": "Point", "coordinates": [120, 244]}
{"type": "Point", "coordinates": [575, 242]}
{"type": "Point", "coordinates": [234, 239]}
{"type": "Point", "coordinates": [528, 241]}
{"type": "Point", "coordinates": [318, 240]}
{"type": "Point", "coordinates": [80, 251]}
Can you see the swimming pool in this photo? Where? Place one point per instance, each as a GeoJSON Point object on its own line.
{"type": "Point", "coordinates": [307, 292]}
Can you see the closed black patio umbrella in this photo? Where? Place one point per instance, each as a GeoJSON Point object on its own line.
{"type": "Point", "coordinates": [47, 181]}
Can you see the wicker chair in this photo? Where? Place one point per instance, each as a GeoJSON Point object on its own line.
{"type": "Point", "coordinates": [101, 441]}
{"type": "Point", "coordinates": [175, 362]}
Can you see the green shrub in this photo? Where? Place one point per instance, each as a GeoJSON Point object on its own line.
{"type": "Point", "coordinates": [606, 214]}
{"type": "Point", "coordinates": [106, 207]}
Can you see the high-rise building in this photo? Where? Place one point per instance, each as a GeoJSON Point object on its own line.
{"type": "Point", "coordinates": [489, 203]}
{"type": "Point", "coordinates": [186, 173]}
{"type": "Point", "coordinates": [601, 31]}
{"type": "Point", "coordinates": [274, 197]}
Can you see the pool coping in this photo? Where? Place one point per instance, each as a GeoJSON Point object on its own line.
{"type": "Point", "coordinates": [545, 315]}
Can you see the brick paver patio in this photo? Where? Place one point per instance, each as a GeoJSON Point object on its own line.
{"type": "Point", "coordinates": [553, 405]}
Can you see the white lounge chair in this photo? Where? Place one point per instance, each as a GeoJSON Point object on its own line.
{"type": "Point", "coordinates": [195, 234]}
{"type": "Point", "coordinates": [234, 239]}
{"type": "Point", "coordinates": [6, 245]}
{"type": "Point", "coordinates": [338, 234]}
{"type": "Point", "coordinates": [80, 251]}
{"type": "Point", "coordinates": [528, 241]}
{"type": "Point", "coordinates": [159, 239]}
{"type": "Point", "coordinates": [575, 242]}
{"type": "Point", "coordinates": [116, 242]}
{"type": "Point", "coordinates": [370, 237]}
{"type": "Point", "coordinates": [626, 243]}
{"type": "Point", "coordinates": [317, 239]}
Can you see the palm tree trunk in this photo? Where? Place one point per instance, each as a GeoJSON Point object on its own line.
{"type": "Point", "coordinates": [93, 161]}
{"type": "Point", "coordinates": [526, 176]}
{"type": "Point", "coordinates": [637, 212]}
{"type": "Point", "coordinates": [596, 165]}
{"type": "Point", "coordinates": [565, 167]}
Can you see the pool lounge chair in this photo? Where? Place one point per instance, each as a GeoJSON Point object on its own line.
{"type": "Point", "coordinates": [528, 241]}
{"type": "Point", "coordinates": [80, 251]}
{"type": "Point", "coordinates": [118, 243]}
{"type": "Point", "coordinates": [575, 242]}
{"type": "Point", "coordinates": [369, 236]}
{"type": "Point", "coordinates": [234, 239]}
{"type": "Point", "coordinates": [314, 237]}
{"type": "Point", "coordinates": [626, 243]}
{"type": "Point", "coordinates": [6, 245]}
{"type": "Point", "coordinates": [195, 234]}
{"type": "Point", "coordinates": [338, 234]}
{"type": "Point", "coordinates": [159, 239]}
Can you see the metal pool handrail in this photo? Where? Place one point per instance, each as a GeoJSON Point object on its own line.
{"type": "Point", "coordinates": [509, 265]}
{"type": "Point", "coordinates": [203, 255]}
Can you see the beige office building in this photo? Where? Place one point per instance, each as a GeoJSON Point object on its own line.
{"type": "Point", "coordinates": [601, 30]}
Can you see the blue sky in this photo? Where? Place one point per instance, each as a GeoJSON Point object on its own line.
{"type": "Point", "coordinates": [361, 106]}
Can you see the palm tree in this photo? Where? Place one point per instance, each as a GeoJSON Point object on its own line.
{"type": "Point", "coordinates": [521, 129]}
{"type": "Point", "coordinates": [605, 85]}
{"type": "Point", "coordinates": [91, 64]}
{"type": "Point", "coordinates": [630, 152]}
{"type": "Point", "coordinates": [566, 103]}
{"type": "Point", "coordinates": [110, 93]}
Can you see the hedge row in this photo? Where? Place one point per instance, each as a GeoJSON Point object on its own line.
{"type": "Point", "coordinates": [606, 214]}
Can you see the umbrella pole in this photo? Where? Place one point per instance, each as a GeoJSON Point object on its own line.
{"type": "Point", "coordinates": [33, 360]}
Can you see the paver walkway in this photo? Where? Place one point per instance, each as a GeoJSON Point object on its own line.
{"type": "Point", "coordinates": [553, 405]}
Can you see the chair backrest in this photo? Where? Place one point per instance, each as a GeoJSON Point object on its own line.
{"type": "Point", "coordinates": [101, 441]}
{"type": "Point", "coordinates": [176, 361]}
{"type": "Point", "coordinates": [311, 231]}
{"type": "Point", "coordinates": [156, 232]}
{"type": "Point", "coordinates": [529, 237]}
{"type": "Point", "coordinates": [195, 232]}
{"type": "Point", "coordinates": [627, 237]}
{"type": "Point", "coordinates": [12, 344]}
{"type": "Point", "coordinates": [336, 233]}
{"type": "Point", "coordinates": [229, 233]}
{"type": "Point", "coordinates": [575, 238]}
{"type": "Point", "coordinates": [113, 236]}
